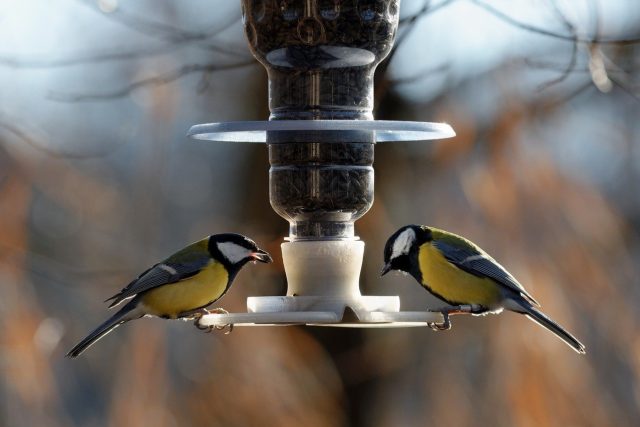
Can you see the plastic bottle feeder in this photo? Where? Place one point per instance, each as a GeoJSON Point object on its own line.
{"type": "Point", "coordinates": [320, 56]}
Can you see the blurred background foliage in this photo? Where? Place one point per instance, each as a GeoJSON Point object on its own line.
{"type": "Point", "coordinates": [97, 181]}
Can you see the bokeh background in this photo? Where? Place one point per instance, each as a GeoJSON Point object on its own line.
{"type": "Point", "coordinates": [97, 181]}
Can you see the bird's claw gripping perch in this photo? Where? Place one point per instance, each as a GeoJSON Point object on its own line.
{"type": "Point", "coordinates": [210, 328]}
{"type": "Point", "coordinates": [444, 326]}
{"type": "Point", "coordinates": [457, 309]}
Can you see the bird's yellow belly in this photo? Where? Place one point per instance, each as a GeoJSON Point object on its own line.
{"type": "Point", "coordinates": [453, 284]}
{"type": "Point", "coordinates": [189, 294]}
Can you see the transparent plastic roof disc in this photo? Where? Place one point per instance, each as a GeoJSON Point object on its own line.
{"type": "Point", "coordinates": [381, 130]}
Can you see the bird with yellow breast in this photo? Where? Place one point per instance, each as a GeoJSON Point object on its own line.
{"type": "Point", "coordinates": [460, 273]}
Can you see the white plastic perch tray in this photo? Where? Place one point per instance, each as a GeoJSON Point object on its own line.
{"type": "Point", "coordinates": [323, 290]}
{"type": "Point", "coordinates": [348, 317]}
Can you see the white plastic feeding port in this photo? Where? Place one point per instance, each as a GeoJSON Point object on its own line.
{"type": "Point", "coordinates": [323, 289]}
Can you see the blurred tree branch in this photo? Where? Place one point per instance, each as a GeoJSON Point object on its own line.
{"type": "Point", "coordinates": [620, 77]}
{"type": "Point", "coordinates": [151, 81]}
{"type": "Point", "coordinates": [426, 9]}
{"type": "Point", "coordinates": [45, 266]}
{"type": "Point", "coordinates": [601, 72]}
{"type": "Point", "coordinates": [406, 25]}
{"type": "Point", "coordinates": [176, 37]}
{"type": "Point", "coordinates": [8, 125]}
{"type": "Point", "coordinates": [167, 32]}
{"type": "Point", "coordinates": [92, 58]}
{"type": "Point", "coordinates": [173, 36]}
{"type": "Point", "coordinates": [542, 31]}
{"type": "Point", "coordinates": [420, 74]}
{"type": "Point", "coordinates": [574, 49]}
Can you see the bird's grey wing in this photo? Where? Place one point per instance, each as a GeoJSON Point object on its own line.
{"type": "Point", "coordinates": [481, 264]}
{"type": "Point", "coordinates": [158, 275]}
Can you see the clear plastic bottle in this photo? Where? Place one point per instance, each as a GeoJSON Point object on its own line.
{"type": "Point", "coordinates": [320, 56]}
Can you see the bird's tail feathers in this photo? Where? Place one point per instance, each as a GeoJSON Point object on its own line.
{"type": "Point", "coordinates": [128, 312]}
{"type": "Point", "coordinates": [543, 320]}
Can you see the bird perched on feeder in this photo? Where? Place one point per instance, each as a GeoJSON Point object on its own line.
{"type": "Point", "coordinates": [182, 285]}
{"type": "Point", "coordinates": [460, 273]}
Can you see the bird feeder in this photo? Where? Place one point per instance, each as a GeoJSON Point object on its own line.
{"type": "Point", "coordinates": [320, 56]}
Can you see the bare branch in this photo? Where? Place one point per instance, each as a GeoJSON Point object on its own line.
{"type": "Point", "coordinates": [574, 49]}
{"type": "Point", "coordinates": [41, 146]}
{"type": "Point", "coordinates": [167, 32]}
{"type": "Point", "coordinates": [531, 28]}
{"type": "Point", "coordinates": [621, 85]}
{"type": "Point", "coordinates": [410, 22]}
{"type": "Point", "coordinates": [16, 62]}
{"type": "Point", "coordinates": [551, 66]}
{"type": "Point", "coordinates": [565, 70]}
{"type": "Point", "coordinates": [151, 81]}
{"type": "Point", "coordinates": [175, 38]}
{"type": "Point", "coordinates": [422, 74]}
{"type": "Point", "coordinates": [47, 266]}
{"type": "Point", "coordinates": [550, 103]}
{"type": "Point", "coordinates": [616, 69]}
{"type": "Point", "coordinates": [204, 82]}
{"type": "Point", "coordinates": [619, 77]}
{"type": "Point", "coordinates": [612, 68]}
{"type": "Point", "coordinates": [426, 9]}
{"type": "Point", "coordinates": [408, 25]}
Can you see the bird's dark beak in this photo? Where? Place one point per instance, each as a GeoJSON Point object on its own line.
{"type": "Point", "coordinates": [385, 269]}
{"type": "Point", "coordinates": [262, 256]}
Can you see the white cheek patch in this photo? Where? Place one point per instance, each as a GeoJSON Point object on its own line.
{"type": "Point", "coordinates": [403, 243]}
{"type": "Point", "coordinates": [233, 252]}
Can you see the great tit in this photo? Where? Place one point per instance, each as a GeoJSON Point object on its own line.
{"type": "Point", "coordinates": [182, 285]}
{"type": "Point", "coordinates": [460, 273]}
